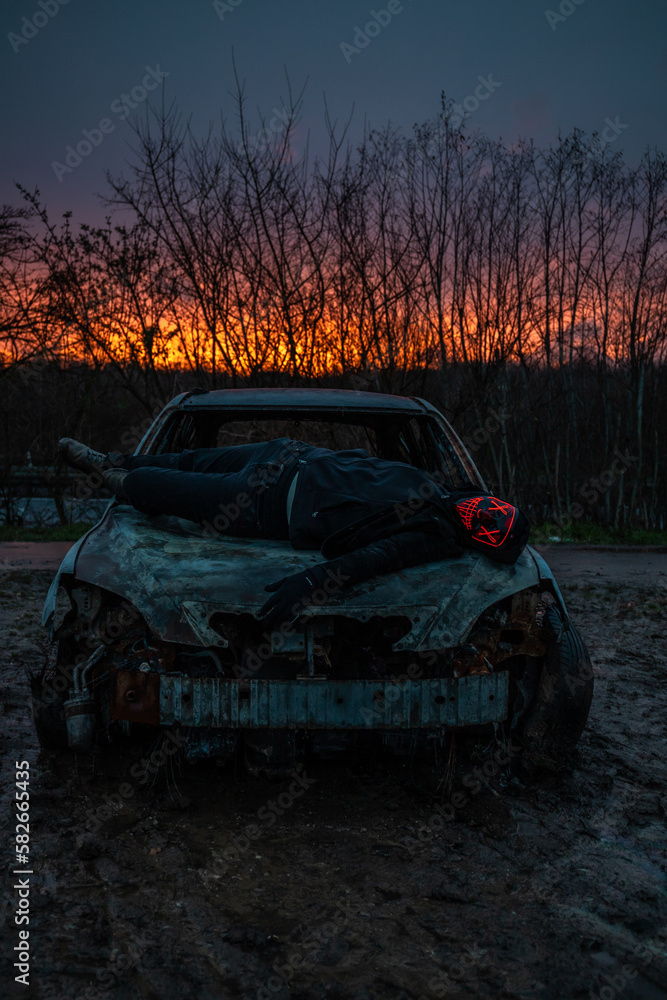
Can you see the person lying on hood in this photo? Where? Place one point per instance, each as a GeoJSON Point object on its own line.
{"type": "Point", "coordinates": [366, 515]}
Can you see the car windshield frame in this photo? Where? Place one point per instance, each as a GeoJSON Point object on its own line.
{"type": "Point", "coordinates": [422, 439]}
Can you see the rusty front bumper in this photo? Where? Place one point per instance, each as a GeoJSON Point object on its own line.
{"type": "Point", "coordinates": [314, 703]}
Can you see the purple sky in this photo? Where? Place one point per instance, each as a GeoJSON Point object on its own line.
{"type": "Point", "coordinates": [576, 63]}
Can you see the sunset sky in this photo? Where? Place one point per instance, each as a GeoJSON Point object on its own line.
{"type": "Point", "coordinates": [536, 69]}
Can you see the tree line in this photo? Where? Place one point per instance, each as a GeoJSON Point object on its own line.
{"type": "Point", "coordinates": [522, 290]}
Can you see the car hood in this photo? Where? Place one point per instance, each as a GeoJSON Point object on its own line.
{"type": "Point", "coordinates": [177, 577]}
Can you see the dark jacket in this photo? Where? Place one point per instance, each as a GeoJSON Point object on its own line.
{"type": "Point", "coordinates": [347, 499]}
{"type": "Point", "coordinates": [371, 517]}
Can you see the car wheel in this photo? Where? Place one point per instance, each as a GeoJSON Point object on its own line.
{"type": "Point", "coordinates": [558, 711]}
{"type": "Point", "coordinates": [50, 691]}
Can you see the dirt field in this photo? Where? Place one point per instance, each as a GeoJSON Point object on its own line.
{"type": "Point", "coordinates": [347, 882]}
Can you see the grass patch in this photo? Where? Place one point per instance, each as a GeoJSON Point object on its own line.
{"type": "Point", "coordinates": [589, 533]}
{"type": "Point", "coordinates": [57, 533]}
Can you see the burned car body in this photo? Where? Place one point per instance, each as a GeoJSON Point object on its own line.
{"type": "Point", "coordinates": [158, 626]}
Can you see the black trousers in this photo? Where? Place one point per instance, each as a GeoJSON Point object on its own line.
{"type": "Point", "coordinates": [241, 490]}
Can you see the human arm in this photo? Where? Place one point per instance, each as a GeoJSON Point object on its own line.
{"type": "Point", "coordinates": [315, 585]}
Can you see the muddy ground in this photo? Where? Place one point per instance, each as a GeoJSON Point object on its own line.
{"type": "Point", "coordinates": [349, 883]}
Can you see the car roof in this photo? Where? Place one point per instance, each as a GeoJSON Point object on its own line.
{"type": "Point", "coordinates": [306, 399]}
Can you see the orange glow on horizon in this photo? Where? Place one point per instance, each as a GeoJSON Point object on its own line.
{"type": "Point", "coordinates": [181, 340]}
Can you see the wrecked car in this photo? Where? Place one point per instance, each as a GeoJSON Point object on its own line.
{"type": "Point", "coordinates": [156, 618]}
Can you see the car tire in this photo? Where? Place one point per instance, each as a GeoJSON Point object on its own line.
{"type": "Point", "coordinates": [558, 712]}
{"type": "Point", "coordinates": [48, 715]}
{"type": "Point", "coordinates": [50, 690]}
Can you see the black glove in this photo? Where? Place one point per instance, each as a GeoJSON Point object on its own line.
{"type": "Point", "coordinates": [409, 548]}
{"type": "Point", "coordinates": [290, 596]}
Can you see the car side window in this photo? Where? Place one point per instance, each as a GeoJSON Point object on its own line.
{"type": "Point", "coordinates": [181, 433]}
{"type": "Point", "coordinates": [440, 453]}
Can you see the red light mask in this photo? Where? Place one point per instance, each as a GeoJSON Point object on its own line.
{"type": "Point", "coordinates": [488, 519]}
